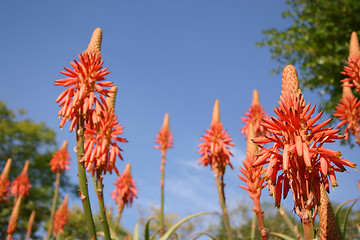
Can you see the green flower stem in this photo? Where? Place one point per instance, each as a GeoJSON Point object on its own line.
{"type": "Point", "coordinates": [162, 218]}
{"type": "Point", "coordinates": [84, 194]}
{"type": "Point", "coordinates": [253, 226]}
{"type": "Point", "coordinates": [53, 207]}
{"type": "Point", "coordinates": [220, 187]}
{"type": "Point", "coordinates": [100, 196]}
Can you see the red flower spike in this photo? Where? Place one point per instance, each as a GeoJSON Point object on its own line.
{"type": "Point", "coordinates": [255, 115]}
{"type": "Point", "coordinates": [215, 149]}
{"type": "Point", "coordinates": [125, 190]}
{"type": "Point", "coordinates": [61, 159]}
{"type": "Point", "coordinates": [253, 176]}
{"type": "Point", "coordinates": [20, 186]}
{"type": "Point", "coordinates": [298, 159]}
{"type": "Point", "coordinates": [85, 84]}
{"type": "Point", "coordinates": [348, 110]}
{"type": "Point", "coordinates": [4, 181]}
{"type": "Point", "coordinates": [61, 217]}
{"type": "Point", "coordinates": [100, 145]}
{"type": "Point", "coordinates": [164, 138]}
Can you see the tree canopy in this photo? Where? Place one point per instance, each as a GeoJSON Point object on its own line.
{"type": "Point", "coordinates": [22, 139]}
{"type": "Point", "coordinates": [317, 43]}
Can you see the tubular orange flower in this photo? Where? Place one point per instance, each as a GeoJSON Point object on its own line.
{"type": "Point", "coordinates": [215, 149]}
{"type": "Point", "coordinates": [4, 181]}
{"type": "Point", "coordinates": [61, 216]}
{"type": "Point", "coordinates": [125, 190]}
{"type": "Point", "coordinates": [348, 111]}
{"type": "Point", "coordinates": [85, 96]}
{"type": "Point", "coordinates": [60, 159]}
{"type": "Point", "coordinates": [20, 186]}
{"type": "Point", "coordinates": [298, 158]}
{"type": "Point", "coordinates": [101, 145]}
{"type": "Point", "coordinates": [164, 138]}
{"type": "Point", "coordinates": [254, 116]}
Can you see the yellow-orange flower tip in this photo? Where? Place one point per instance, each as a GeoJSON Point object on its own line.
{"type": "Point", "coordinates": [347, 92]}
{"type": "Point", "coordinates": [290, 82]}
{"type": "Point", "coordinates": [64, 145]}
{"type": "Point", "coordinates": [354, 49]}
{"type": "Point", "coordinates": [110, 100]}
{"type": "Point", "coordinates": [26, 167]}
{"type": "Point", "coordinates": [6, 170]}
{"type": "Point", "coordinates": [216, 113]}
{"type": "Point", "coordinates": [127, 168]}
{"type": "Point", "coordinates": [95, 41]}
{"type": "Point", "coordinates": [166, 122]}
{"type": "Point", "coordinates": [255, 100]}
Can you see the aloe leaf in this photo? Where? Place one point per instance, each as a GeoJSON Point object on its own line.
{"type": "Point", "coordinates": [136, 232]}
{"type": "Point", "coordinates": [147, 229]}
{"type": "Point", "coordinates": [173, 228]}
{"type": "Point", "coordinates": [282, 236]}
{"type": "Point", "coordinates": [203, 233]}
{"type": "Point", "coordinates": [343, 233]}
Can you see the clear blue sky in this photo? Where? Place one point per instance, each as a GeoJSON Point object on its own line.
{"type": "Point", "coordinates": [164, 56]}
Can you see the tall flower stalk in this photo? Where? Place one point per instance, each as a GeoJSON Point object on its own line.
{"type": "Point", "coordinates": [215, 152]}
{"type": "Point", "coordinates": [164, 140]}
{"type": "Point", "coordinates": [298, 158]}
{"type": "Point", "coordinates": [253, 176]}
{"type": "Point", "coordinates": [101, 149]}
{"type": "Point", "coordinates": [82, 103]}
{"type": "Point", "coordinates": [58, 164]}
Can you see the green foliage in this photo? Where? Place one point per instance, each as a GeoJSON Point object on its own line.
{"type": "Point", "coordinates": [76, 226]}
{"type": "Point", "coordinates": [316, 42]}
{"type": "Point", "coordinates": [22, 139]}
{"type": "Point", "coordinates": [344, 213]}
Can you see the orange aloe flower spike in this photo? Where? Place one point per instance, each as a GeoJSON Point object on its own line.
{"type": "Point", "coordinates": [125, 189]}
{"type": "Point", "coordinates": [215, 148]}
{"type": "Point", "coordinates": [4, 181]}
{"type": "Point", "coordinates": [164, 138]}
{"type": "Point", "coordinates": [61, 159]}
{"type": "Point", "coordinates": [255, 115]}
{"type": "Point", "coordinates": [95, 41]}
{"type": "Point", "coordinates": [21, 185]}
{"type": "Point", "coordinates": [62, 215]}
{"type": "Point", "coordinates": [298, 146]}
{"type": "Point", "coordinates": [14, 218]}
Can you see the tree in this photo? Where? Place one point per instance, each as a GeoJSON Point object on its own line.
{"type": "Point", "coordinates": [22, 139]}
{"type": "Point", "coordinates": [317, 43]}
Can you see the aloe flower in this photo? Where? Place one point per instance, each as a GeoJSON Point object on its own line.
{"type": "Point", "coordinates": [21, 185]}
{"type": "Point", "coordinates": [164, 139]}
{"type": "Point", "coordinates": [352, 70]}
{"type": "Point", "coordinates": [348, 111]}
{"type": "Point", "coordinates": [85, 94]}
{"type": "Point", "coordinates": [101, 147]}
{"type": "Point", "coordinates": [14, 218]}
{"type": "Point", "coordinates": [215, 148]}
{"type": "Point", "coordinates": [61, 159]}
{"type": "Point", "coordinates": [61, 217]}
{"type": "Point", "coordinates": [298, 158]}
{"type": "Point", "coordinates": [125, 189]}
{"type": "Point", "coordinates": [254, 116]}
{"type": "Point", "coordinates": [4, 181]}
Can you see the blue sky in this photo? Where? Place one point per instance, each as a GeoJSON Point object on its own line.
{"type": "Point", "coordinates": [173, 57]}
